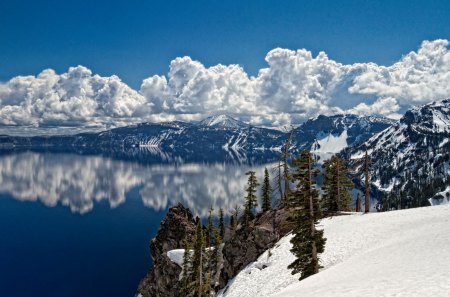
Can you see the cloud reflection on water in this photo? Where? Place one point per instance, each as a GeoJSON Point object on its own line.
{"type": "Point", "coordinates": [79, 182]}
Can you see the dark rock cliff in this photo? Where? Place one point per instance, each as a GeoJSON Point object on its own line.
{"type": "Point", "coordinates": [162, 278]}
{"type": "Point", "coordinates": [241, 247]}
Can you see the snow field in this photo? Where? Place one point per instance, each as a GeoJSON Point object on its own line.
{"type": "Point", "coordinates": [397, 253]}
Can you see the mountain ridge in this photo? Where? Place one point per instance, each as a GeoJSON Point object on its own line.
{"type": "Point", "coordinates": [409, 160]}
{"type": "Point", "coordinates": [216, 133]}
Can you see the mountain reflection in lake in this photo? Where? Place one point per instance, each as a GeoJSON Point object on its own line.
{"type": "Point", "coordinates": [81, 181]}
{"type": "Point", "coordinates": [73, 225]}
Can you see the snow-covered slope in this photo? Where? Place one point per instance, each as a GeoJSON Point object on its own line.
{"type": "Point", "coordinates": [222, 121]}
{"type": "Point", "coordinates": [397, 253]}
{"type": "Point", "coordinates": [328, 135]}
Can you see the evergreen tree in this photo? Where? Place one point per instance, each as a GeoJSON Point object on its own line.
{"type": "Point", "coordinates": [232, 223]}
{"type": "Point", "coordinates": [216, 250]}
{"type": "Point", "coordinates": [199, 262]}
{"type": "Point", "coordinates": [307, 242]}
{"type": "Point", "coordinates": [286, 173]}
{"type": "Point", "coordinates": [366, 183]}
{"type": "Point", "coordinates": [266, 192]}
{"type": "Point", "coordinates": [336, 186]}
{"type": "Point", "coordinates": [250, 199]}
{"type": "Point", "coordinates": [358, 203]}
{"type": "Point", "coordinates": [186, 278]}
{"type": "Point", "coordinates": [221, 223]}
{"type": "Point", "coordinates": [210, 228]}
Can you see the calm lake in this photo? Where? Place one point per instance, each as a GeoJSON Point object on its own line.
{"type": "Point", "coordinates": [73, 225]}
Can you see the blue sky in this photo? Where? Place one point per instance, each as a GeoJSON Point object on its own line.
{"type": "Point", "coordinates": [379, 58]}
{"type": "Point", "coordinates": [135, 39]}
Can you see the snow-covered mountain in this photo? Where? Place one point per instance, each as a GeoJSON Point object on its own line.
{"type": "Point", "coordinates": [328, 135]}
{"type": "Point", "coordinates": [222, 121]}
{"type": "Point", "coordinates": [410, 159]}
{"type": "Point", "coordinates": [214, 136]}
{"type": "Point", "coordinates": [377, 254]}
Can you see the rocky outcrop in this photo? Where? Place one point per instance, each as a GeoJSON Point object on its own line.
{"type": "Point", "coordinates": [245, 245]}
{"type": "Point", "coordinates": [162, 279]}
{"type": "Point", "coordinates": [241, 247]}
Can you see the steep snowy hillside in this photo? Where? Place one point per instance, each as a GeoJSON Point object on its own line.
{"type": "Point", "coordinates": [397, 253]}
{"type": "Point", "coordinates": [327, 135]}
{"type": "Point", "coordinates": [409, 160]}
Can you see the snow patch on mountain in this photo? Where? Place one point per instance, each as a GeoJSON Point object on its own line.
{"type": "Point", "coordinates": [222, 121]}
{"type": "Point", "coordinates": [330, 143]}
{"type": "Point", "coordinates": [396, 253]}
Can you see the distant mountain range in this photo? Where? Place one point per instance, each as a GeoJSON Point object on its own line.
{"type": "Point", "coordinates": [409, 158]}
{"type": "Point", "coordinates": [213, 136]}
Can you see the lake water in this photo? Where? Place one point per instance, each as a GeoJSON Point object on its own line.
{"type": "Point", "coordinates": [73, 225]}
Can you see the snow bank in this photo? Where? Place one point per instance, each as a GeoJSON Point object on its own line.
{"type": "Point", "coordinates": [331, 143]}
{"type": "Point", "coordinates": [397, 253]}
{"type": "Point", "coordinates": [176, 256]}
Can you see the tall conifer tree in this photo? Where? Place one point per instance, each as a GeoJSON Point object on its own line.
{"type": "Point", "coordinates": [366, 183]}
{"type": "Point", "coordinates": [250, 198]}
{"type": "Point", "coordinates": [221, 223]}
{"type": "Point", "coordinates": [266, 192]}
{"type": "Point", "coordinates": [336, 186]}
{"type": "Point", "coordinates": [307, 242]}
{"type": "Point", "coordinates": [186, 278]}
{"type": "Point", "coordinates": [210, 228]}
{"type": "Point", "coordinates": [198, 262]}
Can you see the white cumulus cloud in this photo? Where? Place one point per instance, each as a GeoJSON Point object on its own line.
{"type": "Point", "coordinates": [293, 87]}
{"type": "Point", "coordinates": [75, 98]}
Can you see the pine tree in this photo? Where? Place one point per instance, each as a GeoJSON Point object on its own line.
{"type": "Point", "coordinates": [210, 228]}
{"type": "Point", "coordinates": [266, 192]}
{"type": "Point", "coordinates": [186, 277]}
{"type": "Point", "coordinates": [307, 242]}
{"type": "Point", "coordinates": [198, 262]}
{"type": "Point", "coordinates": [216, 251]}
{"type": "Point", "coordinates": [221, 223]}
{"type": "Point", "coordinates": [336, 186]}
{"type": "Point", "coordinates": [367, 190]}
{"type": "Point", "coordinates": [286, 174]}
{"type": "Point", "coordinates": [208, 264]}
{"type": "Point", "coordinates": [250, 199]}
{"type": "Point", "coordinates": [358, 203]}
{"type": "Point", "coordinates": [232, 223]}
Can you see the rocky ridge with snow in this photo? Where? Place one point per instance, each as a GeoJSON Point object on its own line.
{"type": "Point", "coordinates": [409, 160]}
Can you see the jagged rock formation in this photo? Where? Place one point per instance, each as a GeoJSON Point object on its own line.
{"type": "Point", "coordinates": [241, 247]}
{"type": "Point", "coordinates": [245, 245]}
{"type": "Point", "coordinates": [162, 279]}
